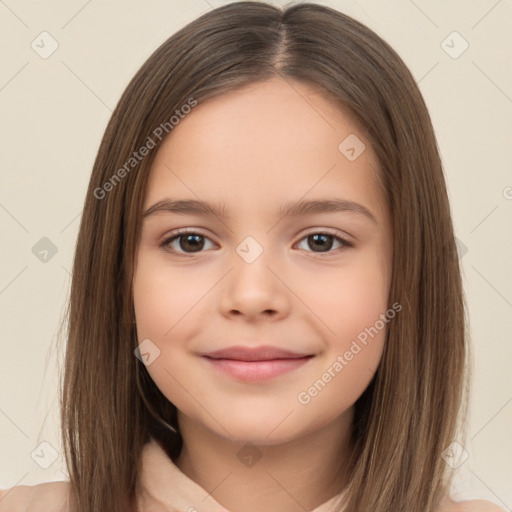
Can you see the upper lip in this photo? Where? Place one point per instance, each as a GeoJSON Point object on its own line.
{"type": "Point", "coordinates": [261, 353]}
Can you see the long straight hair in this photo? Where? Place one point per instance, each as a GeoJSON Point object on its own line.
{"type": "Point", "coordinates": [416, 404]}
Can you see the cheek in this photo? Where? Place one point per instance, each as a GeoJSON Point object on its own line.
{"type": "Point", "coordinates": [352, 353]}
{"type": "Point", "coordinates": [350, 306]}
{"type": "Point", "coordinates": [166, 308]}
{"type": "Point", "coordinates": [348, 299]}
{"type": "Point", "coordinates": [164, 299]}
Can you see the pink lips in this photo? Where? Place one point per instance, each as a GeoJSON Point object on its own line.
{"type": "Point", "coordinates": [255, 364]}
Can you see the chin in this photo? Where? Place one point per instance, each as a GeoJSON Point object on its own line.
{"type": "Point", "coordinates": [265, 429]}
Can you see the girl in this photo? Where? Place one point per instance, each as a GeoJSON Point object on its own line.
{"type": "Point", "coordinates": [266, 309]}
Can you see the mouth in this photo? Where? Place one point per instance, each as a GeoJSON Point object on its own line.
{"type": "Point", "coordinates": [255, 364]}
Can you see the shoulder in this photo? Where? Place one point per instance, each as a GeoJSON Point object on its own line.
{"type": "Point", "coordinates": [470, 506]}
{"type": "Point", "coordinates": [47, 497]}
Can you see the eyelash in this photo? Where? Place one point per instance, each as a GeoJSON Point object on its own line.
{"type": "Point", "coordinates": [180, 232]}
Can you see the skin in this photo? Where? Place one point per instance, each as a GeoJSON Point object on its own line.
{"type": "Point", "coordinates": [254, 149]}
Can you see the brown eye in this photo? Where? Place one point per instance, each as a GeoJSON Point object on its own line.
{"type": "Point", "coordinates": [185, 242]}
{"type": "Point", "coordinates": [324, 242]}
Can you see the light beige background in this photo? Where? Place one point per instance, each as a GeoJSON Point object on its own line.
{"type": "Point", "coordinates": [54, 111]}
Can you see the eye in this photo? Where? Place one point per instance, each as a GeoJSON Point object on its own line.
{"type": "Point", "coordinates": [324, 241]}
{"type": "Point", "coordinates": [188, 241]}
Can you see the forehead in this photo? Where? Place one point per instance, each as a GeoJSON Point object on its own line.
{"type": "Point", "coordinates": [265, 143]}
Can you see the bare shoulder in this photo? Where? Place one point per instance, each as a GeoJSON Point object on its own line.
{"type": "Point", "coordinates": [471, 506]}
{"type": "Point", "coordinates": [47, 497]}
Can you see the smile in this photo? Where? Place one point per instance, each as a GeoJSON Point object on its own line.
{"type": "Point", "coordinates": [256, 370]}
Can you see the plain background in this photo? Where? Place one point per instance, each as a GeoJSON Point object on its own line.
{"type": "Point", "coordinates": [54, 112]}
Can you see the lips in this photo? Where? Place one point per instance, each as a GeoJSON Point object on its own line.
{"type": "Point", "coordinates": [262, 353]}
{"type": "Point", "coordinates": [257, 363]}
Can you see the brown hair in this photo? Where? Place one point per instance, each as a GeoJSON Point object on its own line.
{"type": "Point", "coordinates": [409, 413]}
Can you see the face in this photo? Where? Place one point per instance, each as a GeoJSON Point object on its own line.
{"type": "Point", "coordinates": [311, 286]}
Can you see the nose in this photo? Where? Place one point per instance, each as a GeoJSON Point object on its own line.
{"type": "Point", "coordinates": [255, 289]}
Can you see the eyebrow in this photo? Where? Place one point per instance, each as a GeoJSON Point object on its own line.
{"type": "Point", "coordinates": [288, 209]}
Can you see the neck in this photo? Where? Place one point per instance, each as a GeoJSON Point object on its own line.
{"type": "Point", "coordinates": [292, 476]}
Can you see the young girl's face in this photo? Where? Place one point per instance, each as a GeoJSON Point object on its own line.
{"type": "Point", "coordinates": [251, 276]}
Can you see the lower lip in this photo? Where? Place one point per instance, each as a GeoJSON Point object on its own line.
{"type": "Point", "coordinates": [257, 370]}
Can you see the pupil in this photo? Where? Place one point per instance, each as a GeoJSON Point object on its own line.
{"type": "Point", "coordinates": [195, 246]}
{"type": "Point", "coordinates": [320, 237]}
